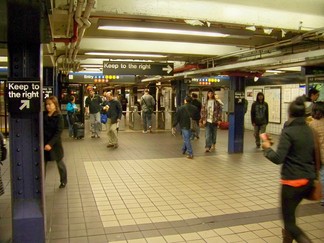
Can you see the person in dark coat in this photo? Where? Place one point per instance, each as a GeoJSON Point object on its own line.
{"type": "Point", "coordinates": [259, 117]}
{"type": "Point", "coordinates": [53, 128]}
{"type": "Point", "coordinates": [296, 153]}
{"type": "Point", "coordinates": [198, 104]}
{"type": "Point", "coordinates": [182, 117]}
{"type": "Point", "coordinates": [2, 141]}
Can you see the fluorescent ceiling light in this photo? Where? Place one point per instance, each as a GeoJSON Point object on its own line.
{"type": "Point", "coordinates": [292, 69]}
{"type": "Point", "coordinates": [91, 65]}
{"type": "Point", "coordinates": [162, 31]}
{"type": "Point", "coordinates": [3, 59]}
{"type": "Point", "coordinates": [274, 71]}
{"type": "Point", "coordinates": [123, 54]}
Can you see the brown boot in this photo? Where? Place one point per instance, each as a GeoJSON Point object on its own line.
{"type": "Point", "coordinates": [286, 237]}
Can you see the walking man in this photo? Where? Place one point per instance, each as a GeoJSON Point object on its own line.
{"type": "Point", "coordinates": [211, 116]}
{"type": "Point", "coordinates": [182, 117]}
{"type": "Point", "coordinates": [93, 107]}
{"type": "Point", "coordinates": [114, 114]}
{"type": "Point", "coordinates": [147, 104]}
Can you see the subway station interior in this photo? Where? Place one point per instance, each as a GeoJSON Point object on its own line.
{"type": "Point", "coordinates": [146, 190]}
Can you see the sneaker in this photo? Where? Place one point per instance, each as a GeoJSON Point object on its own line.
{"type": "Point", "coordinates": [93, 136]}
{"type": "Point", "coordinates": [98, 136]}
{"type": "Point", "coordinates": [183, 152]}
{"type": "Point", "coordinates": [116, 146]}
{"type": "Point", "coordinates": [207, 150]}
{"type": "Point", "coordinates": [62, 185]}
{"type": "Point", "coordinates": [144, 131]}
{"type": "Point", "coordinates": [150, 128]}
{"type": "Point", "coordinates": [190, 156]}
{"type": "Point", "coordinates": [110, 145]}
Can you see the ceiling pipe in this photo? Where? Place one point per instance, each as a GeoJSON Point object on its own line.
{"type": "Point", "coordinates": [74, 37]}
{"type": "Point", "coordinates": [78, 12]}
{"type": "Point", "coordinates": [86, 24]}
{"type": "Point", "coordinates": [70, 17]}
{"type": "Point", "coordinates": [188, 67]}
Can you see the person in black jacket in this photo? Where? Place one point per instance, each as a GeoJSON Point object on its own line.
{"type": "Point", "coordinates": [53, 128]}
{"type": "Point", "coordinates": [259, 117]}
{"type": "Point", "coordinates": [197, 103]}
{"type": "Point", "coordinates": [114, 114]}
{"type": "Point", "coordinates": [93, 107]}
{"type": "Point", "coordinates": [182, 117]}
{"type": "Point", "coordinates": [296, 154]}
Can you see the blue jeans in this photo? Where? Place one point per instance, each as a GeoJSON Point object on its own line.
{"type": "Point", "coordinates": [95, 121]}
{"type": "Point", "coordinates": [147, 120]}
{"type": "Point", "coordinates": [211, 134]}
{"type": "Point", "coordinates": [70, 125]}
{"type": "Point", "coordinates": [186, 147]}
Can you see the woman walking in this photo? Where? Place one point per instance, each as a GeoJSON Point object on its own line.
{"type": "Point", "coordinates": [53, 128]}
{"type": "Point", "coordinates": [296, 154]}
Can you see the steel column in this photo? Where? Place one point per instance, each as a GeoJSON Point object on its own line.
{"type": "Point", "coordinates": [236, 119]}
{"type": "Point", "coordinates": [26, 153]}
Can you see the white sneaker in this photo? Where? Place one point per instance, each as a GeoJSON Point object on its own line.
{"type": "Point", "coordinates": [144, 131]}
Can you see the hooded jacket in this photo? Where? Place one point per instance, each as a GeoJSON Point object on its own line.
{"type": "Point", "coordinates": [259, 111]}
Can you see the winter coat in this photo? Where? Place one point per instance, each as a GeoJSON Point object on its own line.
{"type": "Point", "coordinates": [94, 104]}
{"type": "Point", "coordinates": [295, 151]}
{"type": "Point", "coordinates": [217, 114]}
{"type": "Point", "coordinates": [53, 128]}
{"type": "Point", "coordinates": [198, 104]}
{"type": "Point", "coordinates": [147, 103]}
{"type": "Point", "coordinates": [259, 112]}
{"type": "Point", "coordinates": [115, 110]}
{"type": "Point", "coordinates": [183, 114]}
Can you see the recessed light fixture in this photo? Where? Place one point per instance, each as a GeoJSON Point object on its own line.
{"type": "Point", "coordinates": [3, 59]}
{"type": "Point", "coordinates": [162, 31]}
{"type": "Point", "coordinates": [123, 54]}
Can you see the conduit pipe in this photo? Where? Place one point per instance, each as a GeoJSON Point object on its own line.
{"type": "Point", "coordinates": [70, 17]}
{"type": "Point", "coordinates": [73, 38]}
{"type": "Point", "coordinates": [86, 24]}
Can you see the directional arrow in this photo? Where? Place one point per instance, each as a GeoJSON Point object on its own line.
{"type": "Point", "coordinates": [25, 103]}
{"type": "Point", "coordinates": [168, 69]}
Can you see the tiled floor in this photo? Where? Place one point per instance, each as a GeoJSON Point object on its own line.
{"type": "Point", "coordinates": [147, 191]}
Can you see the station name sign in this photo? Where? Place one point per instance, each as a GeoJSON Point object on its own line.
{"type": "Point", "coordinates": [23, 96]}
{"type": "Point", "coordinates": [137, 68]}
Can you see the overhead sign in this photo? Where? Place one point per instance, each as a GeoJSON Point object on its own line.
{"type": "Point", "coordinates": [23, 96]}
{"type": "Point", "coordinates": [93, 78]}
{"type": "Point", "coordinates": [47, 91]}
{"type": "Point", "coordinates": [137, 68]}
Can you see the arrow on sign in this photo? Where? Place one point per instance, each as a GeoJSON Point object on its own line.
{"type": "Point", "coordinates": [25, 103]}
{"type": "Point", "coordinates": [168, 69]}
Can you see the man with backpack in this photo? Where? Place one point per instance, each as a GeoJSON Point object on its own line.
{"type": "Point", "coordinates": [259, 117]}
